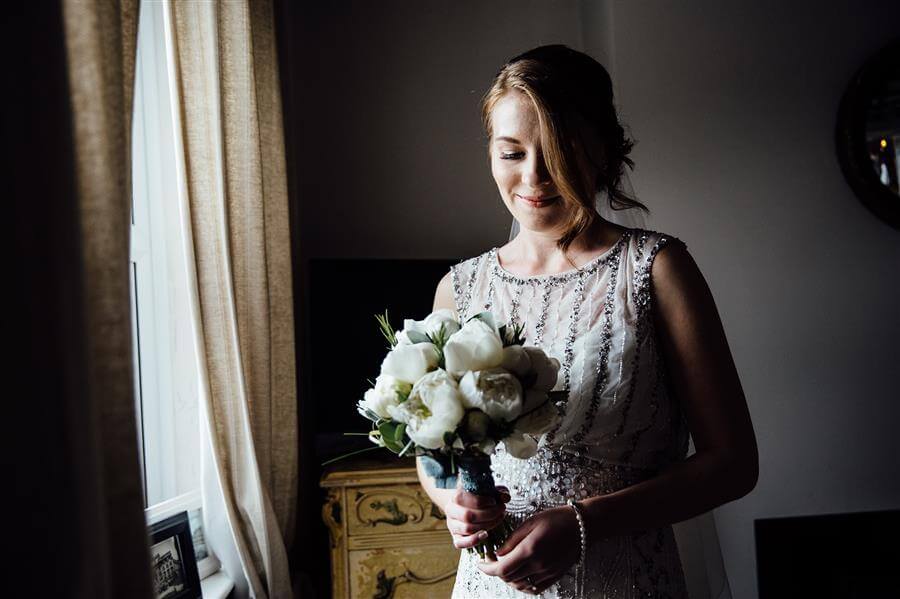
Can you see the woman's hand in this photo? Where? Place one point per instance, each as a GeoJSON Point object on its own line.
{"type": "Point", "coordinates": [541, 549]}
{"type": "Point", "coordinates": [469, 515]}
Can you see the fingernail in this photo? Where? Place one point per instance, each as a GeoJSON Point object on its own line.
{"type": "Point", "coordinates": [483, 534]}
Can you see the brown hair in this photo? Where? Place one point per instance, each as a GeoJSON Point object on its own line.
{"type": "Point", "coordinates": [580, 131]}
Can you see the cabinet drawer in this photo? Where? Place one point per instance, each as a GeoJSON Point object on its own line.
{"type": "Point", "coordinates": [390, 509]}
{"type": "Point", "coordinates": [424, 571]}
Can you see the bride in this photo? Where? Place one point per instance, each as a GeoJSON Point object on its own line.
{"type": "Point", "coordinates": [642, 350]}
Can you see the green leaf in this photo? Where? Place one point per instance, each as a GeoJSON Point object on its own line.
{"type": "Point", "coordinates": [386, 329]}
{"type": "Point", "coordinates": [388, 430]}
{"type": "Point", "coordinates": [439, 338]}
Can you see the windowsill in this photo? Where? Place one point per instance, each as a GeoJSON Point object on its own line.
{"type": "Point", "coordinates": [216, 586]}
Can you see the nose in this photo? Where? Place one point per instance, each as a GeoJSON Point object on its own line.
{"type": "Point", "coordinates": [535, 173]}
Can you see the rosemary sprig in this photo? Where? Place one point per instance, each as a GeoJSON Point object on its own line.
{"type": "Point", "coordinates": [386, 329]}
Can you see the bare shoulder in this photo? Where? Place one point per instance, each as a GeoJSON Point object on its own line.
{"type": "Point", "coordinates": [675, 274]}
{"type": "Point", "coordinates": [443, 295]}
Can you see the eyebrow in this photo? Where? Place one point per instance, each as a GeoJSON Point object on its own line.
{"type": "Point", "coordinates": [509, 139]}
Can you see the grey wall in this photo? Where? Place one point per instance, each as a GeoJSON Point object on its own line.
{"type": "Point", "coordinates": [733, 106]}
{"type": "Point", "coordinates": [399, 167]}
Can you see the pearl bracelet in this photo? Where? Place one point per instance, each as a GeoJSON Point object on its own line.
{"type": "Point", "coordinates": [581, 530]}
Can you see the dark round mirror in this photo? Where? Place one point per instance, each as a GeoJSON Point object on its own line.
{"type": "Point", "coordinates": [868, 134]}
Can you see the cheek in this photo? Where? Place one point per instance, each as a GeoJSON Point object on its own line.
{"type": "Point", "coordinates": [503, 175]}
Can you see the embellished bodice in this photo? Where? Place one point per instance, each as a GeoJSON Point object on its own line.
{"type": "Point", "coordinates": [620, 424]}
{"type": "Point", "coordinates": [597, 321]}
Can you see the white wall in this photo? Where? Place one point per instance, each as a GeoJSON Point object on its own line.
{"type": "Point", "coordinates": [733, 106]}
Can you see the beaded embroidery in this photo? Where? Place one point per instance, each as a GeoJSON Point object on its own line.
{"type": "Point", "coordinates": [597, 322]}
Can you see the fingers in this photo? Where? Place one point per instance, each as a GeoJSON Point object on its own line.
{"type": "Point", "coordinates": [503, 568]}
{"type": "Point", "coordinates": [466, 541]}
{"type": "Point", "coordinates": [470, 516]}
{"type": "Point", "coordinates": [460, 527]}
{"type": "Point", "coordinates": [471, 500]}
{"type": "Point", "coordinates": [540, 583]}
{"type": "Point", "coordinates": [468, 513]}
{"type": "Point", "coordinates": [514, 539]}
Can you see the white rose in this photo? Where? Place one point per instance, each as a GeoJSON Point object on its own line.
{"type": "Point", "coordinates": [476, 346]}
{"type": "Point", "coordinates": [494, 391]}
{"type": "Point", "coordinates": [433, 408]}
{"type": "Point", "coordinates": [430, 326]}
{"type": "Point", "coordinates": [520, 446]}
{"type": "Point", "coordinates": [547, 368]}
{"type": "Point", "coordinates": [409, 363]}
{"type": "Point", "coordinates": [388, 391]}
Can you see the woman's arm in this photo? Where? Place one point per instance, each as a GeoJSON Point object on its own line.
{"type": "Point", "coordinates": [724, 468]}
{"type": "Point", "coordinates": [468, 515]}
{"type": "Point", "coordinates": [705, 381]}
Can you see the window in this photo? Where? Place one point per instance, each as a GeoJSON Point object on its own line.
{"type": "Point", "coordinates": [165, 365]}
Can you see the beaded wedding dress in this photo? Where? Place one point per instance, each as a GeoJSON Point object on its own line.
{"type": "Point", "coordinates": [620, 424]}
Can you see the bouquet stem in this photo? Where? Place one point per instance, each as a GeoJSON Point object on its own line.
{"type": "Point", "coordinates": [476, 478]}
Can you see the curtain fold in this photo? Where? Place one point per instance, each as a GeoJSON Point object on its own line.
{"type": "Point", "coordinates": [235, 194]}
{"type": "Point", "coordinates": [100, 42]}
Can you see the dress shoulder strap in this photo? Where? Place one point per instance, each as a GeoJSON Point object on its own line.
{"type": "Point", "coordinates": [464, 275]}
{"type": "Point", "coordinates": [644, 247]}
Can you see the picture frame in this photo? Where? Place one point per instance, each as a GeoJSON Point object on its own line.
{"type": "Point", "coordinates": [207, 563]}
{"type": "Point", "coordinates": [173, 563]}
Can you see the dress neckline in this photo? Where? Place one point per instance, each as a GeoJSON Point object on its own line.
{"type": "Point", "coordinates": [588, 266]}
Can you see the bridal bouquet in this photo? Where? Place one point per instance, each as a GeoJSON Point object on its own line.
{"type": "Point", "coordinates": [450, 391]}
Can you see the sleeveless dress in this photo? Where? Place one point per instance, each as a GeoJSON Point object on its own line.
{"type": "Point", "coordinates": [620, 423]}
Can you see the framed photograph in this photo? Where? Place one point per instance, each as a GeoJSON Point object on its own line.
{"type": "Point", "coordinates": [207, 563]}
{"type": "Point", "coordinates": [173, 563]}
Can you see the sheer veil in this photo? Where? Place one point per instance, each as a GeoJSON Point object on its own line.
{"type": "Point", "coordinates": [697, 538]}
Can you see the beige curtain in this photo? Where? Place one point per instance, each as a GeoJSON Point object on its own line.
{"type": "Point", "coordinates": [236, 193]}
{"type": "Point", "coordinates": [100, 40]}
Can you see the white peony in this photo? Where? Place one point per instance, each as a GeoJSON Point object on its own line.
{"type": "Point", "coordinates": [520, 446]}
{"type": "Point", "coordinates": [430, 326]}
{"type": "Point", "coordinates": [525, 361]}
{"type": "Point", "coordinates": [539, 415]}
{"type": "Point", "coordinates": [388, 391]}
{"type": "Point", "coordinates": [433, 408]}
{"type": "Point", "coordinates": [409, 363]}
{"type": "Point", "coordinates": [476, 346]}
{"type": "Point", "coordinates": [546, 367]}
{"type": "Point", "coordinates": [516, 360]}
{"type": "Point", "coordinates": [494, 391]}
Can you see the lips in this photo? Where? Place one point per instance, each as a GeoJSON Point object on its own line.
{"type": "Point", "coordinates": [538, 200]}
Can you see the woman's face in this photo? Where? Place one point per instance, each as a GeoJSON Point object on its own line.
{"type": "Point", "coordinates": [517, 164]}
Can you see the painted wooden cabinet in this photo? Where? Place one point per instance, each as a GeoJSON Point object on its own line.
{"type": "Point", "coordinates": [387, 539]}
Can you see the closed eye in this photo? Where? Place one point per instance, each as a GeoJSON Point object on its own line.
{"type": "Point", "coordinates": [511, 155]}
